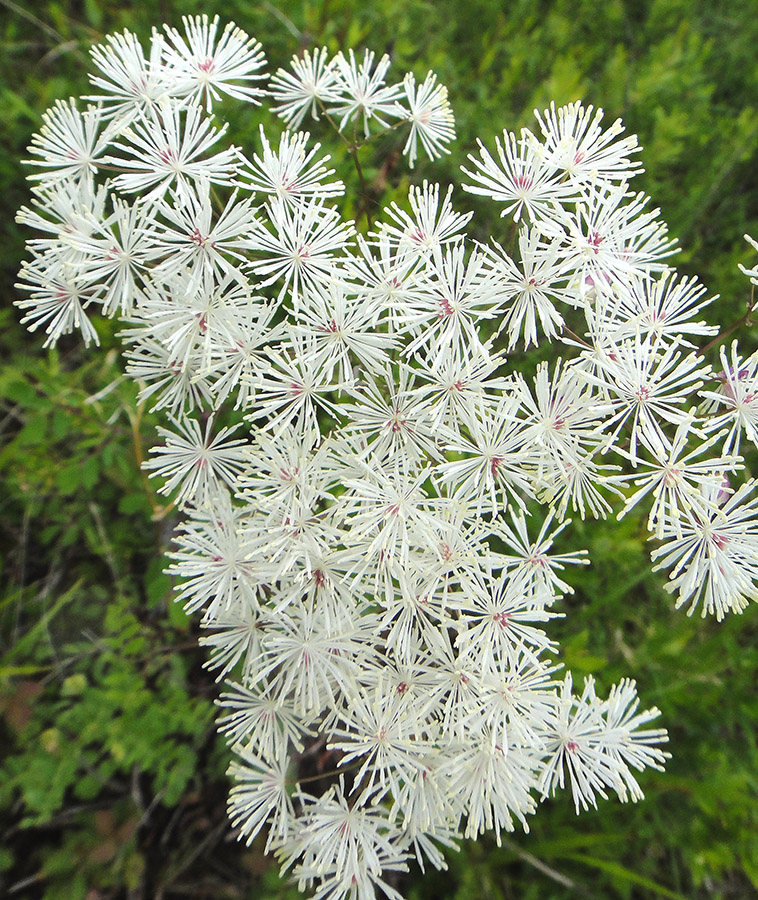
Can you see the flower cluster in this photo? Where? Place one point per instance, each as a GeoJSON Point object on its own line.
{"type": "Point", "coordinates": [359, 545]}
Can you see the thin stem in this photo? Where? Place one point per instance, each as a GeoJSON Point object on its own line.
{"type": "Point", "coordinates": [322, 775]}
{"type": "Point", "coordinates": [538, 864]}
{"type": "Point", "coordinates": [747, 319]}
{"type": "Point", "coordinates": [364, 191]}
{"type": "Point", "coordinates": [48, 30]}
{"type": "Point", "coordinates": [218, 203]}
{"type": "Point", "coordinates": [576, 337]}
{"type": "Point", "coordinates": [330, 120]}
{"type": "Point", "coordinates": [352, 148]}
{"type": "Point", "coordinates": [135, 420]}
{"type": "Point", "coordinates": [287, 22]}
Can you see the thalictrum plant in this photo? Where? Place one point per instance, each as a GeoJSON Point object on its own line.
{"type": "Point", "coordinates": [369, 544]}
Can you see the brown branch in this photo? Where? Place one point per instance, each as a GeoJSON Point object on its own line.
{"type": "Point", "coordinates": [747, 319]}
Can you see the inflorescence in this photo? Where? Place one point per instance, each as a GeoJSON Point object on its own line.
{"type": "Point", "coordinates": [359, 547]}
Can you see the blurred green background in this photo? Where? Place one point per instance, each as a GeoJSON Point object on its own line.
{"type": "Point", "coordinates": [111, 777]}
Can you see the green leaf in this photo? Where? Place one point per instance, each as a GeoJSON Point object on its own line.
{"type": "Point", "coordinates": [21, 392]}
{"type": "Point", "coordinates": [94, 12]}
{"type": "Point", "coordinates": [158, 584]}
{"type": "Point", "coordinates": [177, 616]}
{"type": "Point", "coordinates": [133, 503]}
{"type": "Point", "coordinates": [23, 645]}
{"type": "Point", "coordinates": [13, 671]}
{"type": "Point", "coordinates": [89, 472]}
{"type": "Point", "coordinates": [68, 480]}
{"type": "Point", "coordinates": [621, 872]}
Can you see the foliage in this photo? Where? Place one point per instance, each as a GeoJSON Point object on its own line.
{"type": "Point", "coordinates": [110, 778]}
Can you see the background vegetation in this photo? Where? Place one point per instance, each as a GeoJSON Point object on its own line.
{"type": "Point", "coordinates": [111, 777]}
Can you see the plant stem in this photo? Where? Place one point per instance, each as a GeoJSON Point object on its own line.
{"type": "Point", "coordinates": [135, 420]}
{"type": "Point", "coordinates": [576, 337]}
{"type": "Point", "coordinates": [352, 148]}
{"type": "Point", "coordinates": [747, 319]}
{"type": "Point", "coordinates": [364, 191]}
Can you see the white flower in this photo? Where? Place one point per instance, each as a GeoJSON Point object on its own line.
{"type": "Point", "coordinates": [239, 364]}
{"type": "Point", "coordinates": [58, 300]}
{"type": "Point", "coordinates": [310, 659]}
{"type": "Point", "coordinates": [531, 287]}
{"type": "Point", "coordinates": [389, 507]}
{"type": "Point", "coordinates": [343, 323]}
{"type": "Point", "coordinates": [114, 254]}
{"type": "Point", "coordinates": [496, 783]}
{"type": "Point", "coordinates": [260, 721]}
{"type": "Point", "coordinates": [295, 387]}
{"type": "Point", "coordinates": [194, 241]}
{"type": "Point", "coordinates": [429, 224]}
{"type": "Point", "coordinates": [346, 847]}
{"type": "Point", "coordinates": [167, 146]}
{"type": "Point", "coordinates": [713, 554]}
{"type": "Point", "coordinates": [179, 386]}
{"type": "Point", "coordinates": [314, 82]}
{"type": "Point", "coordinates": [576, 144]}
{"type": "Point", "coordinates": [193, 462]}
{"type": "Point", "coordinates": [576, 483]}
{"type": "Point", "coordinates": [678, 481]}
{"type": "Point", "coordinates": [351, 567]}
{"type": "Point", "coordinates": [386, 280]}
{"type": "Point", "coordinates": [261, 797]}
{"type": "Point", "coordinates": [382, 729]}
{"type": "Point", "coordinates": [392, 414]}
{"type": "Point", "coordinates": [233, 636]}
{"type": "Point", "coordinates": [533, 566]}
{"type": "Point", "coordinates": [279, 473]}
{"type": "Point", "coordinates": [609, 239]}
{"type": "Point", "coordinates": [302, 248]}
{"type": "Point", "coordinates": [430, 115]}
{"type": "Point", "coordinates": [290, 172]}
{"type": "Point", "coordinates": [132, 82]}
{"type": "Point", "coordinates": [737, 396]}
{"type": "Point", "coordinates": [456, 291]}
{"type": "Point", "coordinates": [623, 740]}
{"type": "Point", "coordinates": [594, 741]}
{"type": "Point", "coordinates": [665, 307]}
{"type": "Point", "coordinates": [69, 143]}
{"type": "Point", "coordinates": [362, 92]}
{"type": "Point", "coordinates": [517, 701]}
{"type": "Point", "coordinates": [523, 180]}
{"type": "Point", "coordinates": [498, 621]}
{"type": "Point", "coordinates": [565, 417]}
{"type": "Point", "coordinates": [193, 317]}
{"type": "Point", "coordinates": [206, 68]}
{"type": "Point", "coordinates": [454, 383]}
{"type": "Point", "coordinates": [66, 209]}
{"type": "Point", "coordinates": [494, 460]}
{"type": "Point", "coordinates": [648, 382]}
{"type": "Point", "coordinates": [213, 557]}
